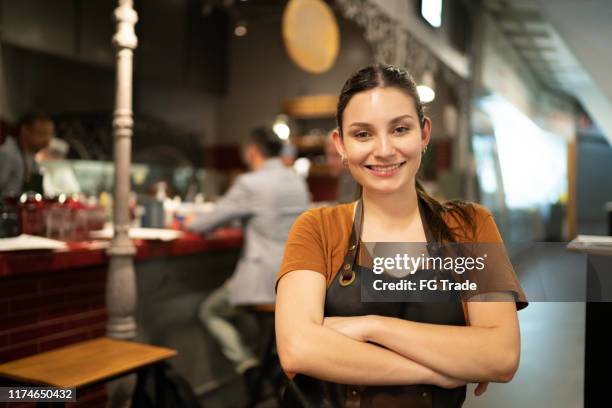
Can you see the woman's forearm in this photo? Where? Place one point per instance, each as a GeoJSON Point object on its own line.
{"type": "Point", "coordinates": [474, 354]}
{"type": "Point", "coordinates": [325, 354]}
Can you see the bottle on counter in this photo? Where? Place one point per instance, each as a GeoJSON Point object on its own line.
{"type": "Point", "coordinates": [10, 218]}
{"type": "Point", "coordinates": [153, 216]}
{"type": "Point", "coordinates": [58, 218]}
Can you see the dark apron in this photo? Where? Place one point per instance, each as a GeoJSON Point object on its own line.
{"type": "Point", "coordinates": [343, 298]}
{"type": "Point", "coordinates": [32, 178]}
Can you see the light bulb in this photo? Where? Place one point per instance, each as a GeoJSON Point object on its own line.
{"type": "Point", "coordinates": [282, 130]}
{"type": "Point", "coordinates": [426, 94]}
{"type": "Point", "coordinates": [241, 29]}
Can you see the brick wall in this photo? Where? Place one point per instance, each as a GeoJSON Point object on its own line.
{"type": "Point", "coordinates": [46, 311]}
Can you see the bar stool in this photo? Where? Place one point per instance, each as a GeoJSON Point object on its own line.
{"type": "Point", "coordinates": [269, 368]}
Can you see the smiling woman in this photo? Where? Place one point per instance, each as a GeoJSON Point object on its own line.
{"type": "Point", "coordinates": [383, 139]}
{"type": "Point", "coordinates": [340, 351]}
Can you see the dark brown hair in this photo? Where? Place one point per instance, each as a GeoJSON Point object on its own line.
{"type": "Point", "coordinates": [380, 76]}
{"type": "Point", "coordinates": [266, 141]}
{"type": "Point", "coordinates": [30, 117]}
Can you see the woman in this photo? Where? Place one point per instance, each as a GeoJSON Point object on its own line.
{"type": "Point", "coordinates": [340, 351]}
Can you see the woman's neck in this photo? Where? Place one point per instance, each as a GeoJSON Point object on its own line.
{"type": "Point", "coordinates": [392, 212]}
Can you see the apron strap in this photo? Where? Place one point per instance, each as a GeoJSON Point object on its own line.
{"type": "Point", "coordinates": [428, 235]}
{"type": "Point", "coordinates": [351, 254]}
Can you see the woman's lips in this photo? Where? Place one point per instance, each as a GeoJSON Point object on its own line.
{"type": "Point", "coordinates": [386, 170]}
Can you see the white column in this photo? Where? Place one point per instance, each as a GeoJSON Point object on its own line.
{"type": "Point", "coordinates": [121, 280]}
{"type": "Point", "coordinates": [121, 285]}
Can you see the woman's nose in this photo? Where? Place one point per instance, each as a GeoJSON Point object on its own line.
{"type": "Point", "coordinates": [384, 146]}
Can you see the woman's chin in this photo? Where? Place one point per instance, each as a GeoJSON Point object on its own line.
{"type": "Point", "coordinates": [385, 187]}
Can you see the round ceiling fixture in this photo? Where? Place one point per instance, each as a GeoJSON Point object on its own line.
{"type": "Point", "coordinates": [311, 35]}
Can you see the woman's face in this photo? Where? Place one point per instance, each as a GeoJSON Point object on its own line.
{"type": "Point", "coordinates": [382, 139]}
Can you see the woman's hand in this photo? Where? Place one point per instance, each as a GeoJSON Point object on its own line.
{"type": "Point", "coordinates": [445, 381]}
{"type": "Point", "coordinates": [355, 327]}
{"type": "Point", "coordinates": [480, 389]}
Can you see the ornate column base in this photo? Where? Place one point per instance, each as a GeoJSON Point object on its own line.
{"type": "Point", "coordinates": [123, 328]}
{"type": "Point", "coordinates": [121, 297]}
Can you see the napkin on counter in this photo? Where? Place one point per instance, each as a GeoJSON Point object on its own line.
{"type": "Point", "coordinates": [25, 242]}
{"type": "Point", "coordinates": [159, 234]}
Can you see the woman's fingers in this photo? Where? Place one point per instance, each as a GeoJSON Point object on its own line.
{"type": "Point", "coordinates": [481, 388]}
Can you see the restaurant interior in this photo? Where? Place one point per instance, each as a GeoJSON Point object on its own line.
{"type": "Point", "coordinates": [150, 103]}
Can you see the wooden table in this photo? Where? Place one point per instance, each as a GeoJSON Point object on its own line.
{"type": "Point", "coordinates": [85, 364]}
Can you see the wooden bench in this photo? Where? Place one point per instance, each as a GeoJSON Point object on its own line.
{"type": "Point", "coordinates": [85, 364]}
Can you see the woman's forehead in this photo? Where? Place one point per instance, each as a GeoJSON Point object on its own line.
{"type": "Point", "coordinates": [379, 104]}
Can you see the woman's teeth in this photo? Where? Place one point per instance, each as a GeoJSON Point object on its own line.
{"type": "Point", "coordinates": [387, 168]}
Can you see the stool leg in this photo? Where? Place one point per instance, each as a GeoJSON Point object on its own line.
{"type": "Point", "coordinates": [266, 327]}
{"type": "Point", "coordinates": [139, 389]}
{"type": "Point", "coordinates": [160, 392]}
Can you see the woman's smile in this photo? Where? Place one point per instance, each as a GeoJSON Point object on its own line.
{"type": "Point", "coordinates": [384, 170]}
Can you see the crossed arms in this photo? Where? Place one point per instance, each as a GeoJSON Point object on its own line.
{"type": "Point", "coordinates": [377, 350]}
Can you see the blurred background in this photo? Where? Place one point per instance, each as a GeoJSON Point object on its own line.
{"type": "Point", "coordinates": [519, 93]}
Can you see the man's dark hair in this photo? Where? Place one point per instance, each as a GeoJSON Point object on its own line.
{"type": "Point", "coordinates": [31, 117]}
{"type": "Point", "coordinates": [266, 141]}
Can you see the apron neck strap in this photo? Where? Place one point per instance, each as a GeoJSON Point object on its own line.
{"type": "Point", "coordinates": [351, 253]}
{"type": "Point", "coordinates": [353, 248]}
{"type": "Point", "coordinates": [428, 234]}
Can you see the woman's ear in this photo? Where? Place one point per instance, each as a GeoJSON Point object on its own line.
{"type": "Point", "coordinates": [425, 132]}
{"type": "Point", "coordinates": [338, 142]}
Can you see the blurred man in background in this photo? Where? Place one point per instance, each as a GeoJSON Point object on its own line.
{"type": "Point", "coordinates": [19, 172]}
{"type": "Point", "coordinates": [268, 199]}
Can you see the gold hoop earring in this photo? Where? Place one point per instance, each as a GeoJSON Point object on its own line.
{"type": "Point", "coordinates": [424, 150]}
{"type": "Point", "coordinates": [344, 161]}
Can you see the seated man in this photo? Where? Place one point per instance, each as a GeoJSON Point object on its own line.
{"type": "Point", "coordinates": [19, 172]}
{"type": "Point", "coordinates": [268, 198]}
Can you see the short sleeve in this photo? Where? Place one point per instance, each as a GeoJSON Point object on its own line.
{"type": "Point", "coordinates": [498, 275]}
{"type": "Point", "coordinates": [486, 229]}
{"type": "Point", "coordinates": [304, 248]}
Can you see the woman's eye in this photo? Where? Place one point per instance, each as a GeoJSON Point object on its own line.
{"type": "Point", "coordinates": [401, 129]}
{"type": "Point", "coordinates": [362, 134]}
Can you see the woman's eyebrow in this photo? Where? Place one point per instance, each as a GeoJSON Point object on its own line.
{"type": "Point", "coordinates": [399, 119]}
{"type": "Point", "coordinates": [392, 121]}
{"type": "Point", "coordinates": [360, 124]}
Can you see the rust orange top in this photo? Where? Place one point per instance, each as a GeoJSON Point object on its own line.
{"type": "Point", "coordinates": [319, 240]}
